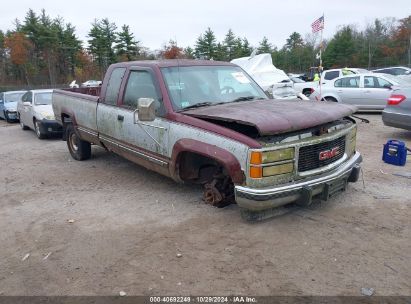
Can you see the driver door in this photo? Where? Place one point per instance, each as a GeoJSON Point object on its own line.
{"type": "Point", "coordinates": [143, 142]}
{"type": "Point", "coordinates": [147, 137]}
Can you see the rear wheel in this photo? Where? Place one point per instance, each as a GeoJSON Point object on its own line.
{"type": "Point", "coordinates": [37, 129]}
{"type": "Point", "coordinates": [79, 149]}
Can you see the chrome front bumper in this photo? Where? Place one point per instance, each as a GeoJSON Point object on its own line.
{"type": "Point", "coordinates": [301, 192]}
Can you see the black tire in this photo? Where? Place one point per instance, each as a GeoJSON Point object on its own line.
{"type": "Point", "coordinates": [37, 129]}
{"type": "Point", "coordinates": [79, 149]}
{"type": "Point", "coordinates": [6, 117]}
{"type": "Point", "coordinates": [330, 99]}
{"type": "Point", "coordinates": [22, 125]}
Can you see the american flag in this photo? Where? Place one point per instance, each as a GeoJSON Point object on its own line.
{"type": "Point", "coordinates": [318, 24]}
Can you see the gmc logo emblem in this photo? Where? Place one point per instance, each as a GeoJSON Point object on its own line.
{"type": "Point", "coordinates": [329, 153]}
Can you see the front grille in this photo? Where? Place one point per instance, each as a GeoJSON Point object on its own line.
{"type": "Point", "coordinates": [309, 156]}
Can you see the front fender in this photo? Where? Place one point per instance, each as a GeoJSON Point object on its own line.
{"type": "Point", "coordinates": [222, 156]}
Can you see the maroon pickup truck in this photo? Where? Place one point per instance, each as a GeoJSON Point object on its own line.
{"type": "Point", "coordinates": [209, 123]}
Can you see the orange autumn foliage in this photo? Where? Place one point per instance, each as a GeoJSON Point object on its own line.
{"type": "Point", "coordinates": [19, 47]}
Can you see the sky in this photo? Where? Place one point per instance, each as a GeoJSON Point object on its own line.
{"type": "Point", "coordinates": [156, 22]}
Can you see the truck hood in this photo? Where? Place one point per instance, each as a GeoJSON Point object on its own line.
{"type": "Point", "coordinates": [271, 117]}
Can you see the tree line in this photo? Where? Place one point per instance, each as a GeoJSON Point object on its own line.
{"type": "Point", "coordinates": [41, 50]}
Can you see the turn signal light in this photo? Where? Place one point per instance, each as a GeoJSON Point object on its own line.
{"type": "Point", "coordinates": [395, 100]}
{"type": "Point", "coordinates": [256, 158]}
{"type": "Point", "coordinates": [256, 172]}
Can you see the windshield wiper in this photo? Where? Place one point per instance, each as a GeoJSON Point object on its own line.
{"type": "Point", "coordinates": [244, 98]}
{"type": "Point", "coordinates": [198, 105]}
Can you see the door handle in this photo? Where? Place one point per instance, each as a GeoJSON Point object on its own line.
{"type": "Point", "coordinates": [120, 117]}
{"type": "Point", "coordinates": [339, 91]}
{"type": "Point", "coordinates": [367, 91]}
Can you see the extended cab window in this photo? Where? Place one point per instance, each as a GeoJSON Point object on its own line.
{"type": "Point", "coordinates": [331, 75]}
{"type": "Point", "coordinates": [113, 86]}
{"type": "Point", "coordinates": [140, 85]}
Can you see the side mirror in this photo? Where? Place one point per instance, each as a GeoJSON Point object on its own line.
{"type": "Point", "coordinates": [26, 103]}
{"type": "Point", "coordinates": [407, 72]}
{"type": "Point", "coordinates": [146, 109]}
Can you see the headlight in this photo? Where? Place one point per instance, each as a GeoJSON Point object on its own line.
{"type": "Point", "coordinates": [278, 155]}
{"type": "Point", "coordinates": [278, 169]}
{"type": "Point", "coordinates": [259, 160]}
{"type": "Point", "coordinates": [46, 115]}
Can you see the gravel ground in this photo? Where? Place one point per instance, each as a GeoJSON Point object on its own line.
{"type": "Point", "coordinates": [105, 225]}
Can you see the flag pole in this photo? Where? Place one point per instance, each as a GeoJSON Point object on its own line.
{"type": "Point", "coordinates": [321, 58]}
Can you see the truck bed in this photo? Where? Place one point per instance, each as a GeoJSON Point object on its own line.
{"type": "Point", "coordinates": [85, 105]}
{"type": "Point", "coordinates": [93, 91]}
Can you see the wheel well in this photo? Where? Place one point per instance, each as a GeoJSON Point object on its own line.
{"type": "Point", "coordinates": [66, 119]}
{"type": "Point", "coordinates": [330, 98]}
{"type": "Point", "coordinates": [307, 91]}
{"type": "Point", "coordinates": [196, 168]}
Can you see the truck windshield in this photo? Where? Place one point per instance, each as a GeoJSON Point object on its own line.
{"type": "Point", "coordinates": [194, 86]}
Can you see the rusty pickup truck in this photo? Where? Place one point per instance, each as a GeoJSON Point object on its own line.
{"type": "Point", "coordinates": [209, 123]}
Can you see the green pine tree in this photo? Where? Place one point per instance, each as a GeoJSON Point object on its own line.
{"type": "Point", "coordinates": [206, 45]}
{"type": "Point", "coordinates": [127, 47]}
{"type": "Point", "coordinates": [265, 46]}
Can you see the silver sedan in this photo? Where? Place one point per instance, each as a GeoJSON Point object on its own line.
{"type": "Point", "coordinates": [398, 110]}
{"type": "Point", "coordinates": [369, 92]}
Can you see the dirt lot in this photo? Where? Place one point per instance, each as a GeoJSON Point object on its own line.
{"type": "Point", "coordinates": [129, 224]}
